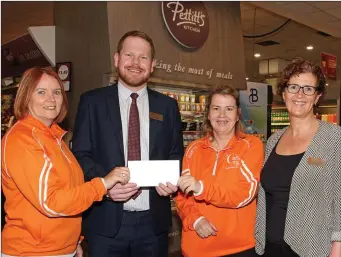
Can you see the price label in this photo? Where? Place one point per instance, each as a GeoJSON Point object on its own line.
{"type": "Point", "coordinates": [63, 72]}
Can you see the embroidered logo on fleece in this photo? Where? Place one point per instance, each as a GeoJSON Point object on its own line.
{"type": "Point", "coordinates": [233, 160]}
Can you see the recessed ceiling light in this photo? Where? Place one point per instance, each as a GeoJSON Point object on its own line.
{"type": "Point", "coordinates": [257, 55]}
{"type": "Point", "coordinates": [327, 84]}
{"type": "Point", "coordinates": [310, 47]}
{"type": "Point", "coordinates": [248, 79]}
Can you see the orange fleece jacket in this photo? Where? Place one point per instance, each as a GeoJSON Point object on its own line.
{"type": "Point", "coordinates": [45, 191]}
{"type": "Point", "coordinates": [229, 180]}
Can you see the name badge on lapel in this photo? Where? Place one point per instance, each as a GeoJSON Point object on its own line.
{"type": "Point", "coordinates": [316, 161]}
{"type": "Point", "coordinates": [156, 116]}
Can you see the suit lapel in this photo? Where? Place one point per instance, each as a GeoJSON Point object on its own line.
{"type": "Point", "coordinates": [152, 98]}
{"type": "Point", "coordinates": [115, 115]}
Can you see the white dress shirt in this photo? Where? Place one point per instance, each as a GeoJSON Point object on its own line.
{"type": "Point", "coordinates": [141, 203]}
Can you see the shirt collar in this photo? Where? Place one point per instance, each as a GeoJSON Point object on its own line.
{"type": "Point", "coordinates": [125, 92]}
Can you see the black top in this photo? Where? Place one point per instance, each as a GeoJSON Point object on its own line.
{"type": "Point", "coordinates": [276, 180]}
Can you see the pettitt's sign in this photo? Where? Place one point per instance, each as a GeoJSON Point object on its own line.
{"type": "Point", "coordinates": [187, 22]}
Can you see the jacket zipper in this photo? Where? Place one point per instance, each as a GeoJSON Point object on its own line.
{"type": "Point", "coordinates": [216, 159]}
{"type": "Point", "coordinates": [216, 162]}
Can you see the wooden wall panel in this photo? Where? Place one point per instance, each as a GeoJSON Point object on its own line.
{"type": "Point", "coordinates": [82, 39]}
{"type": "Point", "coordinates": [16, 17]}
{"type": "Point", "coordinates": [223, 51]}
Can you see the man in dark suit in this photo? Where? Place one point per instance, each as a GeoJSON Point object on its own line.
{"type": "Point", "coordinates": [130, 221]}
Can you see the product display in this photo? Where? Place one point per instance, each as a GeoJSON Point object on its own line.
{"type": "Point", "coordinates": [280, 116]}
{"type": "Point", "coordinates": [192, 108]}
{"type": "Point", "coordinates": [7, 101]}
{"type": "Point", "coordinates": [331, 117]}
{"type": "Point", "coordinates": [279, 120]}
{"type": "Point", "coordinates": [188, 101]}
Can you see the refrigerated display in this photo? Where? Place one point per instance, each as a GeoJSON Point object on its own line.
{"type": "Point", "coordinates": [255, 105]}
{"type": "Point", "coordinates": [192, 106]}
{"type": "Point", "coordinates": [279, 119]}
{"type": "Point", "coordinates": [325, 111]}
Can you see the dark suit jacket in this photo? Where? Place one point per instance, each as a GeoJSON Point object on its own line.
{"type": "Point", "coordinates": [98, 146]}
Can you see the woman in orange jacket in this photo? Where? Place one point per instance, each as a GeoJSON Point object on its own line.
{"type": "Point", "coordinates": [219, 183]}
{"type": "Point", "coordinates": [41, 180]}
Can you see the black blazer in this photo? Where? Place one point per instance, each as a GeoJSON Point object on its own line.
{"type": "Point", "coordinates": [98, 146]}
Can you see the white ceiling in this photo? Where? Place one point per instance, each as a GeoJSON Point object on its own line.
{"type": "Point", "coordinates": [295, 35]}
{"type": "Point", "coordinates": [324, 16]}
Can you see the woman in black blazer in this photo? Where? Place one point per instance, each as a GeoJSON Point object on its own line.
{"type": "Point", "coordinates": [299, 201]}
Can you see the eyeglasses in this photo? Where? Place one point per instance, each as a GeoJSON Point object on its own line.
{"type": "Point", "coordinates": [307, 90]}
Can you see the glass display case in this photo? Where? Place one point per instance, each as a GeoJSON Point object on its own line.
{"type": "Point", "coordinates": [192, 106]}
{"type": "Point", "coordinates": [326, 111]}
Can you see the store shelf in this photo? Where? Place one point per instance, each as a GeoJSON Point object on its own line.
{"type": "Point", "coordinates": [189, 114]}
{"type": "Point", "coordinates": [278, 107]}
{"type": "Point", "coordinates": [327, 106]}
{"type": "Point", "coordinates": [324, 104]}
{"type": "Point", "coordinates": [280, 124]}
{"type": "Point", "coordinates": [8, 88]}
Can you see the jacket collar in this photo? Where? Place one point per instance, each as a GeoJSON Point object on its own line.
{"type": "Point", "coordinates": [54, 130]}
{"type": "Point", "coordinates": [231, 144]}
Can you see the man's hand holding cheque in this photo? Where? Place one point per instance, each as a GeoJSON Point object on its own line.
{"type": "Point", "coordinates": [166, 190]}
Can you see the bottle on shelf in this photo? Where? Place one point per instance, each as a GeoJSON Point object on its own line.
{"type": "Point", "coordinates": [331, 117]}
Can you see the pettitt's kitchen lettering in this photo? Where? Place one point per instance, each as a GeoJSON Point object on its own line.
{"type": "Point", "coordinates": [187, 22]}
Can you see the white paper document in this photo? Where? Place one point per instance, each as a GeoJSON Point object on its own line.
{"type": "Point", "coordinates": [151, 173]}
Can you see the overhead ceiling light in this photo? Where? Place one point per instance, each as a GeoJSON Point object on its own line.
{"type": "Point", "coordinates": [327, 84]}
{"type": "Point", "coordinates": [248, 79]}
{"type": "Point", "coordinates": [310, 47]}
{"type": "Point", "coordinates": [257, 55]}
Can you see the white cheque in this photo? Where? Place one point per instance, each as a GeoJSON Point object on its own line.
{"type": "Point", "coordinates": [151, 173]}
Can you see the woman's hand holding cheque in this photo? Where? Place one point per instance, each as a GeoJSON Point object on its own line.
{"type": "Point", "coordinates": [117, 175]}
{"type": "Point", "coordinates": [188, 184]}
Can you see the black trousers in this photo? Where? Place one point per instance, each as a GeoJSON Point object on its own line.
{"type": "Point", "coordinates": [278, 250]}
{"type": "Point", "coordinates": [247, 253]}
{"type": "Point", "coordinates": [136, 238]}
